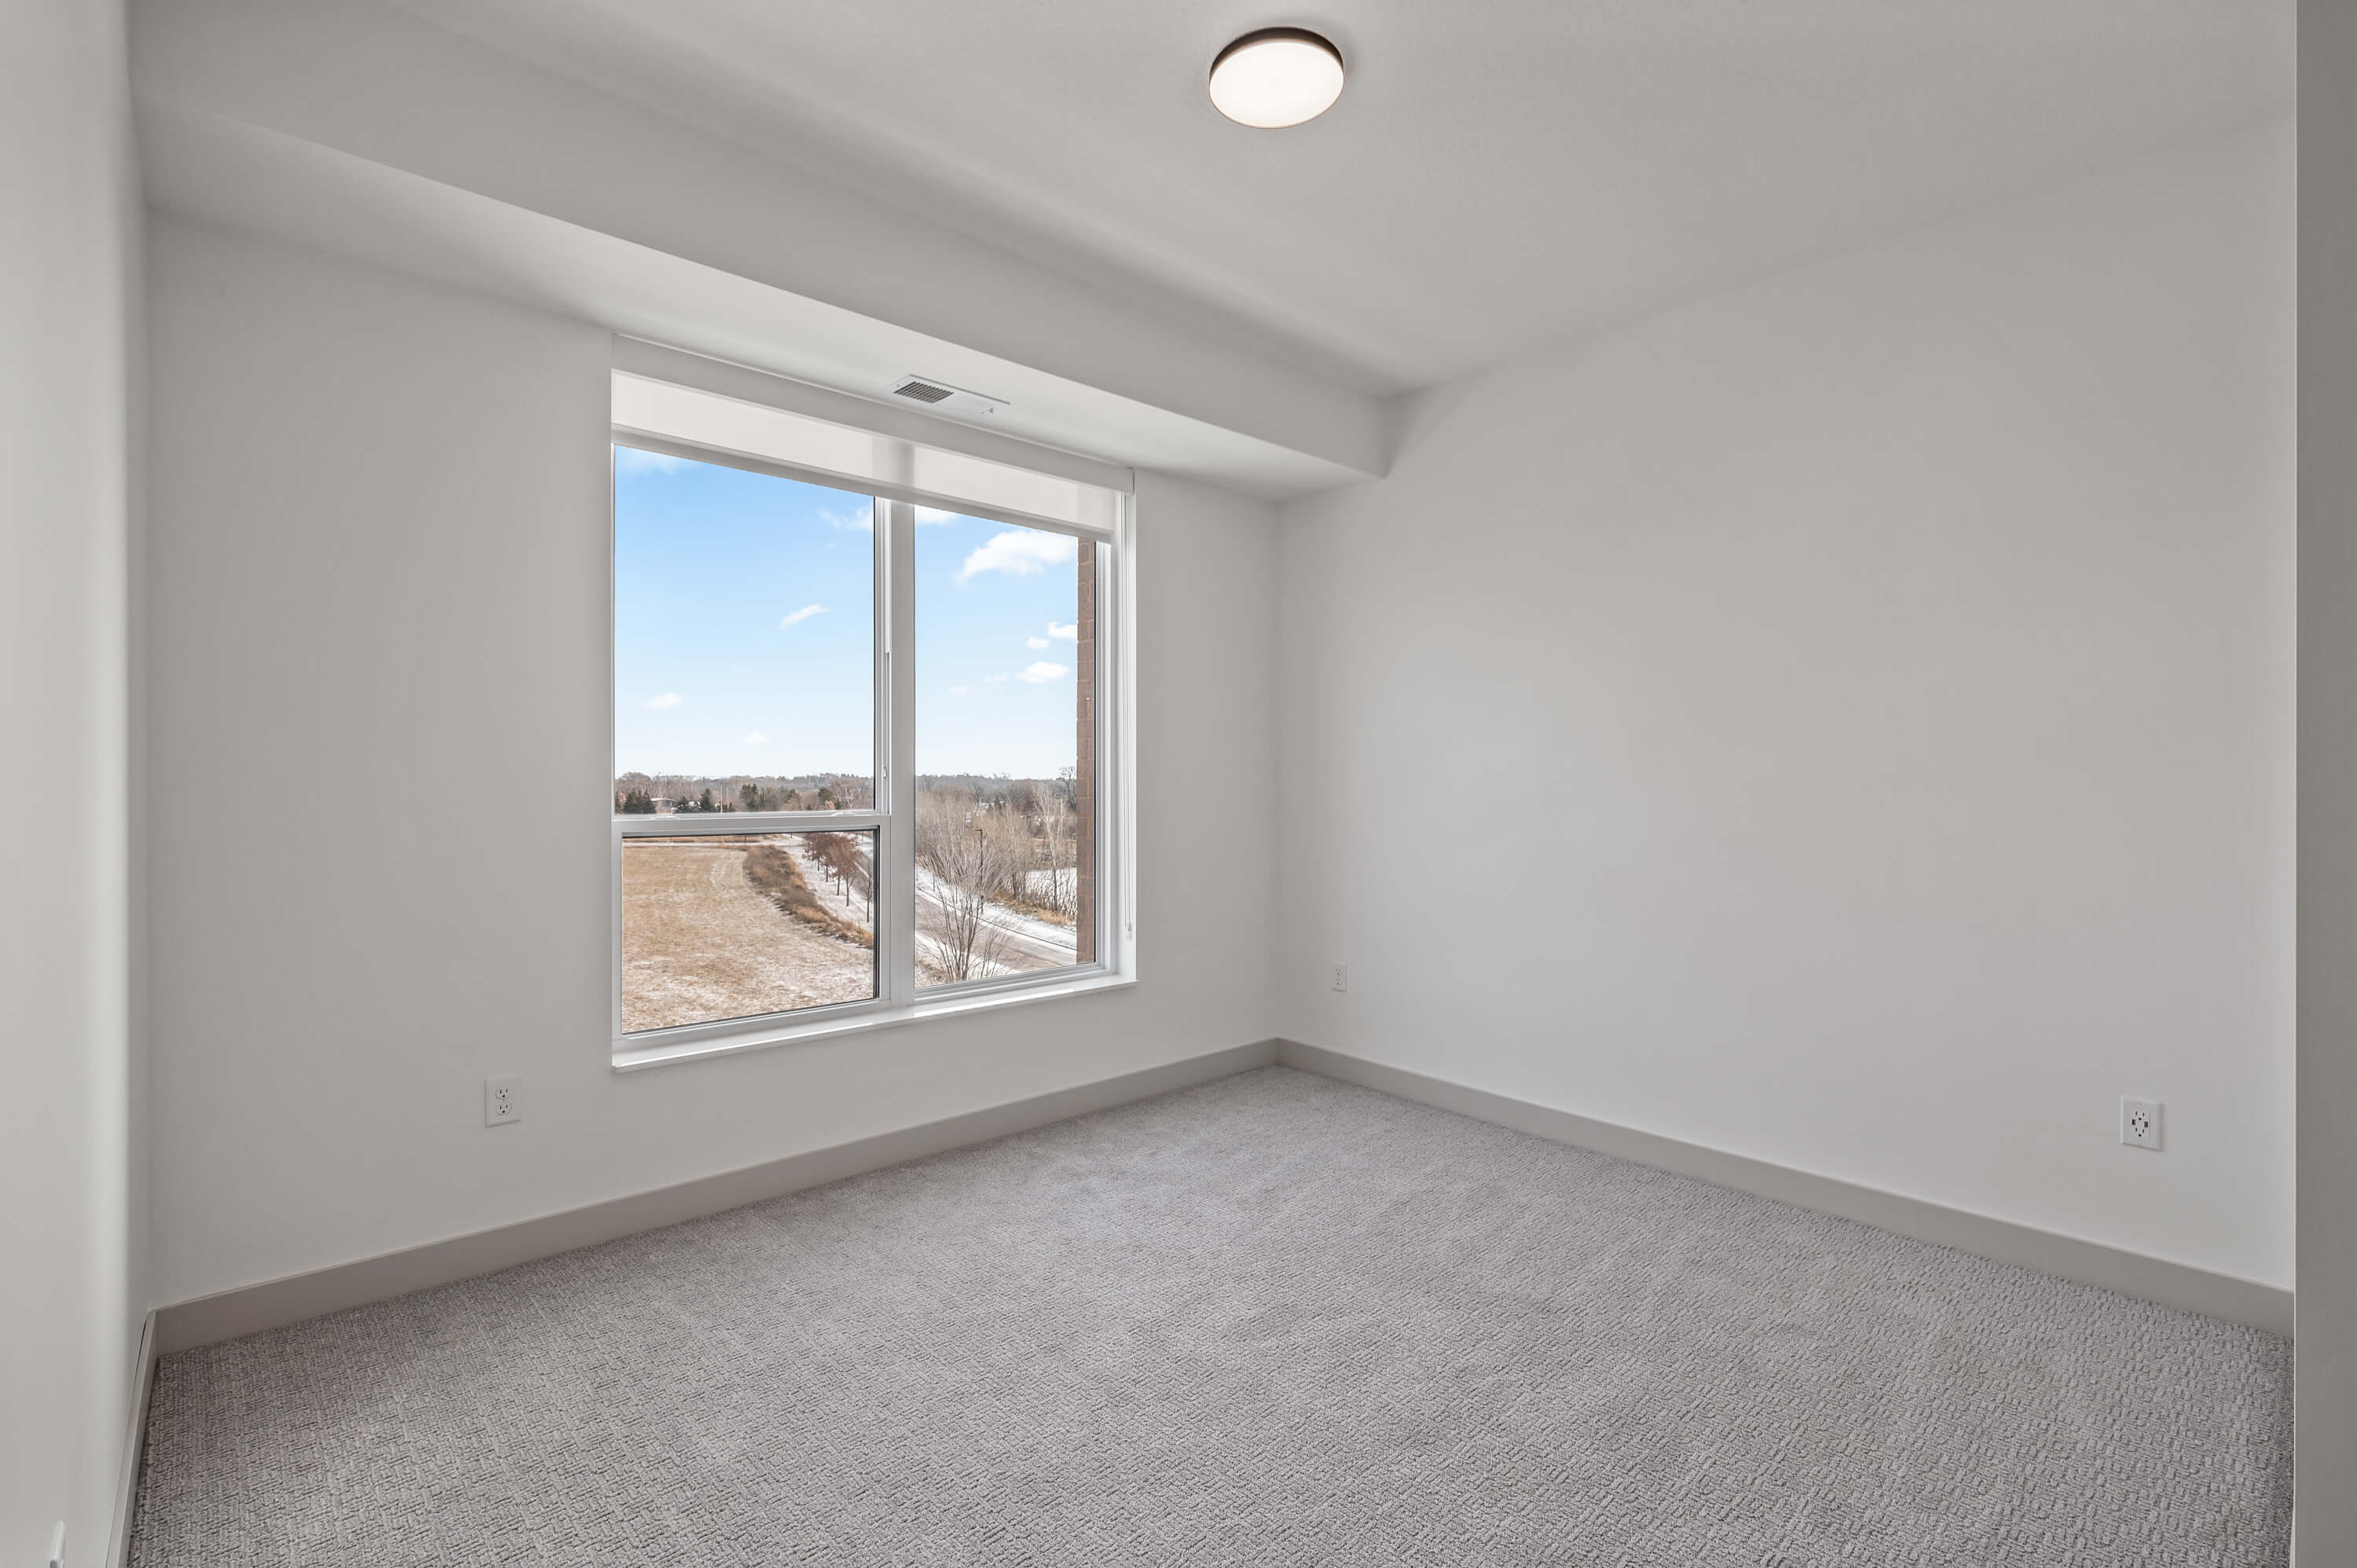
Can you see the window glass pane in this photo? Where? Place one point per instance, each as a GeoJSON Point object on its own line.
{"type": "Point", "coordinates": [744, 633]}
{"type": "Point", "coordinates": [732, 925]}
{"type": "Point", "coordinates": [1006, 669]}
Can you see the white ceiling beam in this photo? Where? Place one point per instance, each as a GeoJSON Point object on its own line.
{"type": "Point", "coordinates": [352, 127]}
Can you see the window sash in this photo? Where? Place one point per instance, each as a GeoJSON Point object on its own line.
{"type": "Point", "coordinates": [687, 824]}
{"type": "Point", "coordinates": [893, 820]}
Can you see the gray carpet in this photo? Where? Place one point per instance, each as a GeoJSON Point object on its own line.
{"type": "Point", "coordinates": [1274, 1320]}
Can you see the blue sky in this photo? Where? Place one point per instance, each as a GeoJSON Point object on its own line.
{"type": "Point", "coordinates": [743, 616]}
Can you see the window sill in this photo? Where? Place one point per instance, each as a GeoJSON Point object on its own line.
{"type": "Point", "coordinates": [762, 1035]}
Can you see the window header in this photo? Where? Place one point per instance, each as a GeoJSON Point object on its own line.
{"type": "Point", "coordinates": [667, 412]}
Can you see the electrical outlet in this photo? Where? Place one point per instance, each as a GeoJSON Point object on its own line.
{"type": "Point", "coordinates": [2140, 1123]}
{"type": "Point", "coordinates": [502, 1101]}
{"type": "Point", "coordinates": [1342, 975]}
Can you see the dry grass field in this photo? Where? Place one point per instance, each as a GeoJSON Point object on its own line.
{"type": "Point", "coordinates": [786, 880]}
{"type": "Point", "coordinates": [700, 942]}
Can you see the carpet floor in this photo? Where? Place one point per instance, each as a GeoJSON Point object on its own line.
{"type": "Point", "coordinates": [1273, 1320]}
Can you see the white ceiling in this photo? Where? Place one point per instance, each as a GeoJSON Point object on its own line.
{"type": "Point", "coordinates": [1500, 173]}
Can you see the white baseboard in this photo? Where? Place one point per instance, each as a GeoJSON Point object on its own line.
{"type": "Point", "coordinates": [134, 1444]}
{"type": "Point", "coordinates": [2180, 1285]}
{"type": "Point", "coordinates": [293, 1299]}
{"type": "Point", "coordinates": [275, 1303]}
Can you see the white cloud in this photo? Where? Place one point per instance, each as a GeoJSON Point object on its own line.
{"type": "Point", "coordinates": [1022, 553]}
{"type": "Point", "coordinates": [926, 514]}
{"type": "Point", "coordinates": [1042, 672]}
{"type": "Point", "coordinates": [757, 738]}
{"type": "Point", "coordinates": [1071, 633]}
{"type": "Point", "coordinates": [993, 678]}
{"type": "Point", "coordinates": [957, 690]}
{"type": "Point", "coordinates": [668, 700]}
{"type": "Point", "coordinates": [800, 616]}
{"type": "Point", "coordinates": [1035, 642]}
{"type": "Point", "coordinates": [637, 460]}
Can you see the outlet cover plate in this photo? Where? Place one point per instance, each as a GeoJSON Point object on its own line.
{"type": "Point", "coordinates": [1342, 975]}
{"type": "Point", "coordinates": [2140, 1123]}
{"type": "Point", "coordinates": [502, 1101]}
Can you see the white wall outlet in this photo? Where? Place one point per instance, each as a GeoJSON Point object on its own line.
{"type": "Point", "coordinates": [502, 1101]}
{"type": "Point", "coordinates": [1342, 975]}
{"type": "Point", "coordinates": [2140, 1123]}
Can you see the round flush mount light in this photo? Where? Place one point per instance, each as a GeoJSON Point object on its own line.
{"type": "Point", "coordinates": [1276, 77]}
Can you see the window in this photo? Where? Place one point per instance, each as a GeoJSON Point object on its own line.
{"type": "Point", "coordinates": [864, 724]}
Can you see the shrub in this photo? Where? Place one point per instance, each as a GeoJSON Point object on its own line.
{"type": "Point", "coordinates": [774, 875]}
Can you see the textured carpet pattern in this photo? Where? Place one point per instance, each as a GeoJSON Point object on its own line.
{"type": "Point", "coordinates": [1274, 1320]}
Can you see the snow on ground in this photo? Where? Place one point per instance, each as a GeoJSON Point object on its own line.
{"type": "Point", "coordinates": [1031, 943]}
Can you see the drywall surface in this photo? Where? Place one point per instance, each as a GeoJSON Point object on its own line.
{"type": "Point", "coordinates": [2326, 1411]}
{"type": "Point", "coordinates": [74, 1288]}
{"type": "Point", "coordinates": [1847, 723]}
{"type": "Point", "coordinates": [381, 795]}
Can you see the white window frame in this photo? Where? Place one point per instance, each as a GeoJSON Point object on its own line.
{"type": "Point", "coordinates": [897, 1001]}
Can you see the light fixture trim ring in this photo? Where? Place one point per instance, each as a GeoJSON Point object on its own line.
{"type": "Point", "coordinates": [1271, 35]}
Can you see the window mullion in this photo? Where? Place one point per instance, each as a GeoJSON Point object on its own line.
{"type": "Point", "coordinates": [897, 580]}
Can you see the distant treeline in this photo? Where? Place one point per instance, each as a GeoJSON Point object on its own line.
{"type": "Point", "coordinates": [997, 789]}
{"type": "Point", "coordinates": [647, 794]}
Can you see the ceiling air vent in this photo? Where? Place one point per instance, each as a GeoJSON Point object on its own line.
{"type": "Point", "coordinates": [943, 399]}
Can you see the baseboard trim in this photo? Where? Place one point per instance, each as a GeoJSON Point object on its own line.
{"type": "Point", "coordinates": [296, 1297]}
{"type": "Point", "coordinates": [2180, 1285]}
{"type": "Point", "coordinates": [134, 1445]}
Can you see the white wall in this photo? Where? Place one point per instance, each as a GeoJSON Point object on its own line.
{"type": "Point", "coordinates": [380, 555]}
{"type": "Point", "coordinates": [73, 1288]}
{"type": "Point", "coordinates": [1848, 721]}
{"type": "Point", "coordinates": [1862, 698]}
{"type": "Point", "coordinates": [2327, 1407]}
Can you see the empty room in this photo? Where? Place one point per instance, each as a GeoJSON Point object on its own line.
{"type": "Point", "coordinates": [1555, 782]}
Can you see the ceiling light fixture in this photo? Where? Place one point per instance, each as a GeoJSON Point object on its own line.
{"type": "Point", "coordinates": [1276, 77]}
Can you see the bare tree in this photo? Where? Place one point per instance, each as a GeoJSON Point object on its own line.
{"type": "Point", "coordinates": [845, 858]}
{"type": "Point", "coordinates": [970, 863]}
{"type": "Point", "coordinates": [1009, 833]}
